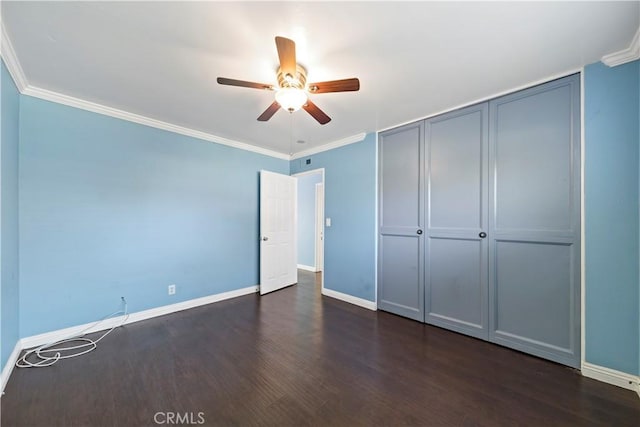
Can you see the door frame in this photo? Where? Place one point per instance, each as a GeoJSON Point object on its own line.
{"type": "Point", "coordinates": [322, 174]}
{"type": "Point", "coordinates": [319, 227]}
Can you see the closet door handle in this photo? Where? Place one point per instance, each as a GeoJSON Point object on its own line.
{"type": "Point", "coordinates": [482, 235]}
{"type": "Point", "coordinates": [419, 231]}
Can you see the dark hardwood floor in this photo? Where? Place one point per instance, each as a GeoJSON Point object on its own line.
{"type": "Point", "coordinates": [294, 358]}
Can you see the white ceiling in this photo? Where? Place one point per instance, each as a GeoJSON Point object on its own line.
{"type": "Point", "coordinates": [414, 59]}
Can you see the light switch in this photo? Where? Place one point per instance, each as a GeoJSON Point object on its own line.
{"type": "Point", "coordinates": [327, 222]}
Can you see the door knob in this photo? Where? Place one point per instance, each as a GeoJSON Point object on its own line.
{"type": "Point", "coordinates": [482, 235]}
{"type": "Point", "coordinates": [265, 238]}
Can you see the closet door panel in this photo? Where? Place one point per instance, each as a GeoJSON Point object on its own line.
{"type": "Point", "coordinates": [400, 179]}
{"type": "Point", "coordinates": [527, 274]}
{"type": "Point", "coordinates": [455, 171]}
{"type": "Point", "coordinates": [400, 267]}
{"type": "Point", "coordinates": [457, 197]}
{"type": "Point", "coordinates": [534, 234]}
{"type": "Point", "coordinates": [455, 266]}
{"type": "Point", "coordinates": [401, 221]}
{"type": "Point", "coordinates": [533, 157]}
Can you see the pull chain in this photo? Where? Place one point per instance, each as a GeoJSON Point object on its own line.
{"type": "Point", "coordinates": [291, 134]}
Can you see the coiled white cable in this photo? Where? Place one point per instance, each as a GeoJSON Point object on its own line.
{"type": "Point", "coordinates": [50, 353]}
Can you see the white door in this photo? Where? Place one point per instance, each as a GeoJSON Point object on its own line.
{"type": "Point", "coordinates": [320, 227]}
{"type": "Point", "coordinates": [278, 255]}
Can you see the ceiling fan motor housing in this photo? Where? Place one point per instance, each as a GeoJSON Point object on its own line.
{"type": "Point", "coordinates": [299, 81]}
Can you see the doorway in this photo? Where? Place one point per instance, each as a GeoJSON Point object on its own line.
{"type": "Point", "coordinates": [310, 227]}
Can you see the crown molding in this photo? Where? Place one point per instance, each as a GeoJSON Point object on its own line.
{"type": "Point", "coordinates": [626, 55]}
{"type": "Point", "coordinates": [11, 60]}
{"type": "Point", "coordinates": [13, 65]}
{"type": "Point", "coordinates": [330, 145]}
{"type": "Point", "coordinates": [71, 101]}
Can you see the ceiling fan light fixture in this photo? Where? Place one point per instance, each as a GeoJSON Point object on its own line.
{"type": "Point", "coordinates": [292, 92]}
{"type": "Point", "coordinates": [291, 98]}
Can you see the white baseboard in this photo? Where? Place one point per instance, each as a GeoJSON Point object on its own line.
{"type": "Point", "coordinates": [8, 367]}
{"type": "Point", "coordinates": [53, 336]}
{"type": "Point", "coordinates": [350, 299]}
{"type": "Point", "coordinates": [307, 268]}
{"type": "Point", "coordinates": [611, 376]}
{"type": "Point", "coordinates": [48, 337]}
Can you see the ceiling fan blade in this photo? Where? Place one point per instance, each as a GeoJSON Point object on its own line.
{"type": "Point", "coordinates": [269, 112]}
{"type": "Point", "coordinates": [316, 113]}
{"type": "Point", "coordinates": [242, 83]}
{"type": "Point", "coordinates": [287, 54]}
{"type": "Point", "coordinates": [345, 85]}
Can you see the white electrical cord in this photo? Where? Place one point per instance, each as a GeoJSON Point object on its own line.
{"type": "Point", "coordinates": [50, 353]}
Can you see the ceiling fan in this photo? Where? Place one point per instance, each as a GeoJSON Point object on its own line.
{"type": "Point", "coordinates": [292, 92]}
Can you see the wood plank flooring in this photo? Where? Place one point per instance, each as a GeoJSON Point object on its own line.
{"type": "Point", "coordinates": [295, 358]}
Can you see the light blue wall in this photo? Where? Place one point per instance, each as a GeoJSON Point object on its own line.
{"type": "Point", "coordinates": [350, 202]}
{"type": "Point", "coordinates": [612, 135]}
{"type": "Point", "coordinates": [110, 208]}
{"type": "Point", "coordinates": [9, 291]}
{"type": "Point", "coordinates": [307, 218]}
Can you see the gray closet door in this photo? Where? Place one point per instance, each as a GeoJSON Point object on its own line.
{"type": "Point", "coordinates": [534, 231]}
{"type": "Point", "coordinates": [457, 221]}
{"type": "Point", "coordinates": [401, 219]}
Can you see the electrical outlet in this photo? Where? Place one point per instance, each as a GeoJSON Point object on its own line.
{"type": "Point", "coordinates": [171, 290]}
